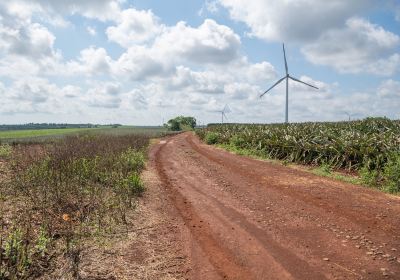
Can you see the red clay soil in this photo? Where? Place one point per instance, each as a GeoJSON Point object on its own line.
{"type": "Point", "coordinates": [249, 219]}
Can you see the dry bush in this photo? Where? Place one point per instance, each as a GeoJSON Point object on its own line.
{"type": "Point", "coordinates": [68, 190]}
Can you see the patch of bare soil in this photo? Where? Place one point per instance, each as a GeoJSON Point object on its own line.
{"type": "Point", "coordinates": [248, 219]}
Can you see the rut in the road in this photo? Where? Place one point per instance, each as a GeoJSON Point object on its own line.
{"type": "Point", "coordinates": [255, 220]}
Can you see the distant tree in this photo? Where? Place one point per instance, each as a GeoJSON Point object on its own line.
{"type": "Point", "coordinates": [181, 123]}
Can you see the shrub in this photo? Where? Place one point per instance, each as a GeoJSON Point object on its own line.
{"type": "Point", "coordinates": [211, 138]}
{"type": "Point", "coordinates": [391, 174]}
{"type": "Point", "coordinates": [369, 177]}
{"type": "Point", "coordinates": [237, 141]}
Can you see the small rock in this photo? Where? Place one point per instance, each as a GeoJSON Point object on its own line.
{"type": "Point", "coordinates": [394, 249]}
{"type": "Point", "coordinates": [326, 259]}
{"type": "Point", "coordinates": [370, 253]}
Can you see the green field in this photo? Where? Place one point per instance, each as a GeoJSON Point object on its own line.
{"type": "Point", "coordinates": [17, 134]}
{"type": "Point", "coordinates": [46, 134]}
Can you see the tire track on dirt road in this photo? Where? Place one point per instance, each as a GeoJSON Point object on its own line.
{"type": "Point", "coordinates": [251, 219]}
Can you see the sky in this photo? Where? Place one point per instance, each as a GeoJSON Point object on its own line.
{"type": "Point", "coordinates": [144, 62]}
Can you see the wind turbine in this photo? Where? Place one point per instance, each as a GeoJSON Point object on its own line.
{"type": "Point", "coordinates": [225, 110]}
{"type": "Point", "coordinates": [349, 115]}
{"type": "Point", "coordinates": [287, 77]}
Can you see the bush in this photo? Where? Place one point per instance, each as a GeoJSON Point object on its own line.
{"type": "Point", "coordinates": [391, 174]}
{"type": "Point", "coordinates": [237, 141]}
{"type": "Point", "coordinates": [369, 177]}
{"type": "Point", "coordinates": [211, 138]}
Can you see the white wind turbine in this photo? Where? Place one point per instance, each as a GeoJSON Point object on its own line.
{"type": "Point", "coordinates": [223, 113]}
{"type": "Point", "coordinates": [287, 77]}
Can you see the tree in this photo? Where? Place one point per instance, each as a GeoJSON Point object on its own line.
{"type": "Point", "coordinates": [181, 123]}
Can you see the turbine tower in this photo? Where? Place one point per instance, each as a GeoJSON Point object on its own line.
{"type": "Point", "coordinates": [287, 77]}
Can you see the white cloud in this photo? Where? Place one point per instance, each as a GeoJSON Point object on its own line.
{"type": "Point", "coordinates": [209, 43]}
{"type": "Point", "coordinates": [92, 61]}
{"type": "Point", "coordinates": [303, 20]}
{"type": "Point", "coordinates": [390, 89]}
{"type": "Point", "coordinates": [211, 6]}
{"type": "Point", "coordinates": [360, 47]}
{"type": "Point", "coordinates": [91, 30]}
{"type": "Point", "coordinates": [134, 27]}
{"type": "Point", "coordinates": [97, 9]}
{"type": "Point", "coordinates": [103, 95]}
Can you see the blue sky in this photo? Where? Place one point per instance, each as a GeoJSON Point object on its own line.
{"type": "Point", "coordinates": [138, 62]}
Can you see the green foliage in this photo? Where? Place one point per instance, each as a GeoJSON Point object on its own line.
{"type": "Point", "coordinates": [325, 168]}
{"type": "Point", "coordinates": [5, 150]}
{"type": "Point", "coordinates": [237, 141]}
{"type": "Point", "coordinates": [136, 186]}
{"type": "Point", "coordinates": [369, 177]}
{"type": "Point", "coordinates": [391, 174]}
{"type": "Point", "coordinates": [364, 146]}
{"type": "Point", "coordinates": [174, 125]}
{"type": "Point", "coordinates": [181, 123]}
{"type": "Point", "coordinates": [15, 256]}
{"type": "Point", "coordinates": [211, 138]}
{"type": "Point", "coordinates": [132, 160]}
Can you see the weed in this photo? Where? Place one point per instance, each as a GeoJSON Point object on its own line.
{"type": "Point", "coordinates": [5, 150]}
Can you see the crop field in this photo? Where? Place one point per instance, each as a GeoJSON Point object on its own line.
{"type": "Point", "coordinates": [44, 135]}
{"type": "Point", "coordinates": [18, 134]}
{"type": "Point", "coordinates": [370, 147]}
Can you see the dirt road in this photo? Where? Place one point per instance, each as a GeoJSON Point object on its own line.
{"type": "Point", "coordinates": [248, 219]}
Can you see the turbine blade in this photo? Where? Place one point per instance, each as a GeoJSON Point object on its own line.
{"type": "Point", "coordinates": [273, 86]}
{"type": "Point", "coordinates": [284, 56]}
{"type": "Point", "coordinates": [296, 80]}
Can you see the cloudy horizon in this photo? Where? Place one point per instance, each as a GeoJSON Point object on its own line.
{"type": "Point", "coordinates": [142, 62]}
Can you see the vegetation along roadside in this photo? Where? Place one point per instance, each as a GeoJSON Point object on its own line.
{"type": "Point", "coordinates": [55, 196]}
{"type": "Point", "coordinates": [369, 148]}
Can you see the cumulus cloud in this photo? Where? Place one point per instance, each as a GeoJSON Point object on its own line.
{"type": "Point", "coordinates": [292, 20]}
{"type": "Point", "coordinates": [103, 95]}
{"type": "Point", "coordinates": [134, 26]}
{"type": "Point", "coordinates": [329, 31]}
{"type": "Point", "coordinates": [357, 48]}
{"type": "Point", "coordinates": [92, 61]}
{"type": "Point", "coordinates": [209, 43]}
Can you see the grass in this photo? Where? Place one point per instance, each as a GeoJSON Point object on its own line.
{"type": "Point", "coordinates": [49, 135]}
{"type": "Point", "coordinates": [18, 134]}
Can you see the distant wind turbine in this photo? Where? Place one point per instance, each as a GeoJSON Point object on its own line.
{"type": "Point", "coordinates": [287, 77]}
{"type": "Point", "coordinates": [349, 115]}
{"type": "Point", "coordinates": [223, 113]}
